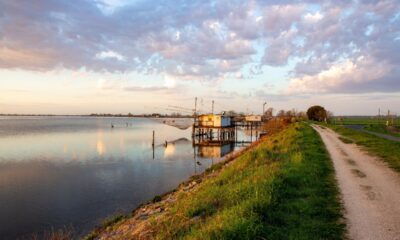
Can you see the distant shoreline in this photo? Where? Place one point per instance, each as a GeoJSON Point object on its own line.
{"type": "Point", "coordinates": [93, 115]}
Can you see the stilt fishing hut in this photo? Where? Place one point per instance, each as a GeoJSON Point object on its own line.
{"type": "Point", "coordinates": [214, 127]}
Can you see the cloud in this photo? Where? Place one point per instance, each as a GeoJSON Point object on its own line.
{"type": "Point", "coordinates": [170, 85]}
{"type": "Point", "coordinates": [110, 54]}
{"type": "Point", "coordinates": [144, 88]}
{"type": "Point", "coordinates": [312, 18]}
{"type": "Point", "coordinates": [105, 84]}
{"type": "Point", "coordinates": [343, 76]}
{"type": "Point", "coordinates": [212, 40]}
{"type": "Point", "coordinates": [280, 48]}
{"type": "Point", "coordinates": [23, 58]}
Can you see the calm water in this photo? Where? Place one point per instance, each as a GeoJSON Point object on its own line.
{"type": "Point", "coordinates": [76, 171]}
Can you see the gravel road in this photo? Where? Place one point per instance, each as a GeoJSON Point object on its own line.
{"type": "Point", "coordinates": [370, 190]}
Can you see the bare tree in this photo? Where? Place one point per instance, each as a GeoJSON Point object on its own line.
{"type": "Point", "coordinates": [281, 113]}
{"type": "Point", "coordinates": [269, 113]}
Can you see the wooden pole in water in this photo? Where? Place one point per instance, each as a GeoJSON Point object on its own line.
{"type": "Point", "coordinates": [153, 139]}
{"type": "Point", "coordinates": [152, 144]}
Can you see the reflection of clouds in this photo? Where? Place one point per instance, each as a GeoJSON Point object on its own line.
{"type": "Point", "coordinates": [169, 150]}
{"type": "Point", "coordinates": [101, 147]}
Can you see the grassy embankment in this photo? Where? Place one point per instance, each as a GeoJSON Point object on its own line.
{"type": "Point", "coordinates": [387, 150]}
{"type": "Point", "coordinates": [282, 189]}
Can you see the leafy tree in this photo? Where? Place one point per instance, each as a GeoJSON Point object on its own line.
{"type": "Point", "coordinates": [317, 113]}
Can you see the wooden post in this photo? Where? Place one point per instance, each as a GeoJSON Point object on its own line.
{"type": "Point", "coordinates": [236, 133]}
{"type": "Point", "coordinates": [251, 132]}
{"type": "Point", "coordinates": [153, 139]}
{"type": "Point", "coordinates": [152, 144]}
{"type": "Point", "coordinates": [256, 134]}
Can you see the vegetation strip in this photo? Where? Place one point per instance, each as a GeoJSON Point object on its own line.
{"type": "Point", "coordinates": [388, 130]}
{"type": "Point", "coordinates": [282, 189]}
{"type": "Point", "coordinates": [387, 150]}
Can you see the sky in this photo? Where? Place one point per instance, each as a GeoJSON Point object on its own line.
{"type": "Point", "coordinates": [139, 56]}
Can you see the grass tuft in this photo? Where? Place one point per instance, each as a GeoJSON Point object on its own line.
{"type": "Point", "coordinates": [108, 222]}
{"type": "Point", "coordinates": [346, 140]}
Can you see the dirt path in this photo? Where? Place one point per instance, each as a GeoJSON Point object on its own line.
{"type": "Point", "coordinates": [370, 190]}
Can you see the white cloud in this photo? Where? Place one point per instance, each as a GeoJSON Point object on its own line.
{"type": "Point", "coordinates": [313, 18]}
{"type": "Point", "coordinates": [169, 81]}
{"type": "Point", "coordinates": [110, 54]}
{"type": "Point", "coordinates": [177, 35]}
{"type": "Point", "coordinates": [104, 84]}
{"type": "Point", "coordinates": [341, 75]}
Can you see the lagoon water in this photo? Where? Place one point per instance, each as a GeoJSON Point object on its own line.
{"type": "Point", "coordinates": [73, 172]}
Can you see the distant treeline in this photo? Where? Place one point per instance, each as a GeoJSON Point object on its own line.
{"type": "Point", "coordinates": [33, 115]}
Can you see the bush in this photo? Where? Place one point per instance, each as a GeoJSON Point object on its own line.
{"type": "Point", "coordinates": [156, 199]}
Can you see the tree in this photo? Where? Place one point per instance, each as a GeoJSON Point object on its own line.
{"type": "Point", "coordinates": [329, 114]}
{"type": "Point", "coordinates": [301, 115]}
{"type": "Point", "coordinates": [231, 113]}
{"type": "Point", "coordinates": [317, 113]}
{"type": "Point", "coordinates": [269, 112]}
{"type": "Point", "coordinates": [281, 113]}
{"type": "Point", "coordinates": [290, 113]}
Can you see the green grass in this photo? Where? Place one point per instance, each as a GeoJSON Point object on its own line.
{"type": "Point", "coordinates": [346, 140]}
{"type": "Point", "coordinates": [282, 189]}
{"type": "Point", "coordinates": [387, 150]}
{"type": "Point", "coordinates": [379, 128]}
{"type": "Point", "coordinates": [108, 222]}
{"type": "Point", "coordinates": [363, 121]}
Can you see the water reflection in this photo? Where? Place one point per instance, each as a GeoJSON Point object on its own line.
{"type": "Point", "coordinates": [216, 149]}
{"type": "Point", "coordinates": [101, 147]}
{"type": "Point", "coordinates": [57, 172]}
{"type": "Point", "coordinates": [169, 150]}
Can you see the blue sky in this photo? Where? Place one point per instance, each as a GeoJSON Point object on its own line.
{"type": "Point", "coordinates": [119, 56]}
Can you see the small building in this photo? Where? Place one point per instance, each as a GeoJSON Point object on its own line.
{"type": "Point", "coordinates": [214, 121]}
{"type": "Point", "coordinates": [253, 118]}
